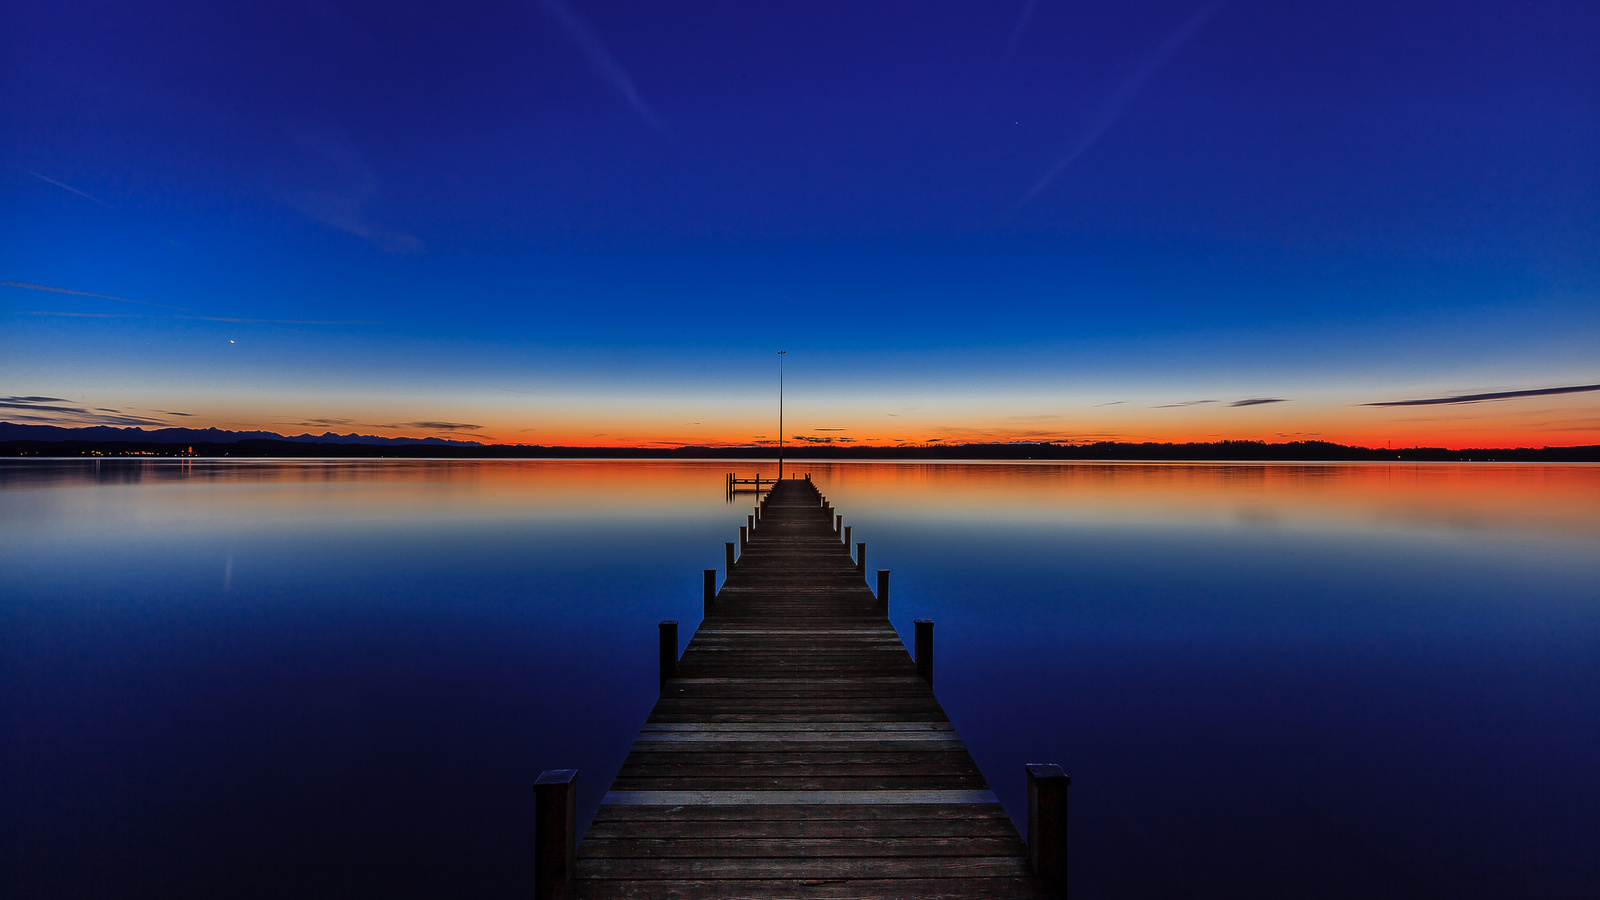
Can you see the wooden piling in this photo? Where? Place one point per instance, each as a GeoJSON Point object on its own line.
{"type": "Point", "coordinates": [1047, 824]}
{"type": "Point", "coordinates": [728, 552]}
{"type": "Point", "coordinates": [669, 649]}
{"type": "Point", "coordinates": [711, 589]}
{"type": "Point", "coordinates": [861, 558]}
{"type": "Point", "coordinates": [924, 649]}
{"type": "Point", "coordinates": [847, 537]}
{"type": "Point", "coordinates": [555, 831]}
{"type": "Point", "coordinates": [883, 590]}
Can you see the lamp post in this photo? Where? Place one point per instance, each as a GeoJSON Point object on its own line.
{"type": "Point", "coordinates": [780, 413]}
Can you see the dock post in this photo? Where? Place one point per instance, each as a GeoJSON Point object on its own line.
{"type": "Point", "coordinates": [554, 831]}
{"type": "Point", "coordinates": [838, 524]}
{"type": "Point", "coordinates": [711, 589]}
{"type": "Point", "coordinates": [1047, 824]}
{"type": "Point", "coordinates": [883, 590]}
{"type": "Point", "coordinates": [729, 548]}
{"type": "Point", "coordinates": [924, 647]}
{"type": "Point", "coordinates": [669, 649]}
{"type": "Point", "coordinates": [750, 520]}
{"type": "Point", "coordinates": [846, 533]}
{"type": "Point", "coordinates": [861, 558]}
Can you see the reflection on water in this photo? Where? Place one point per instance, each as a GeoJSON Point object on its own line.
{"type": "Point", "coordinates": [340, 677]}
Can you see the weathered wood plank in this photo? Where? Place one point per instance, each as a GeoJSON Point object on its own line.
{"type": "Point", "coordinates": [873, 813]}
{"type": "Point", "coordinates": [677, 827]}
{"type": "Point", "coordinates": [791, 867]}
{"type": "Point", "coordinates": [829, 889]}
{"type": "Point", "coordinates": [812, 847]}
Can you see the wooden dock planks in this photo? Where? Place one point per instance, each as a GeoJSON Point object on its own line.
{"type": "Point", "coordinates": [797, 753]}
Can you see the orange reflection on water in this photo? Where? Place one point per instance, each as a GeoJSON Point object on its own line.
{"type": "Point", "coordinates": [1544, 501]}
{"type": "Point", "coordinates": [1547, 500]}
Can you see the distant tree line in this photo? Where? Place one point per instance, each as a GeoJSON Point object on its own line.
{"type": "Point", "coordinates": [1244, 451]}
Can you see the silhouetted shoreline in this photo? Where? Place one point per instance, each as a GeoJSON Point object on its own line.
{"type": "Point", "coordinates": [1239, 451]}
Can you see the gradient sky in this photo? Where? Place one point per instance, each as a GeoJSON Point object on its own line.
{"type": "Point", "coordinates": [558, 221]}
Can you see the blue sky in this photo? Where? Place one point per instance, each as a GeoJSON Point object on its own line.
{"type": "Point", "coordinates": [597, 222]}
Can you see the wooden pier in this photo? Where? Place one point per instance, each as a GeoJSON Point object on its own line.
{"type": "Point", "coordinates": [797, 750]}
{"type": "Point", "coordinates": [756, 485]}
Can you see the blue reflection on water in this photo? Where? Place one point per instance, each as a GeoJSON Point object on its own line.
{"type": "Point", "coordinates": [340, 678]}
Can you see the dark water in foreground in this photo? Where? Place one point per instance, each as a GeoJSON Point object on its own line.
{"type": "Point", "coordinates": [339, 678]}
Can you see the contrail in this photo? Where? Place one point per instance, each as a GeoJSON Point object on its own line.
{"type": "Point", "coordinates": [66, 187]}
{"type": "Point", "coordinates": [46, 287]}
{"type": "Point", "coordinates": [603, 62]}
{"type": "Point", "coordinates": [1119, 99]}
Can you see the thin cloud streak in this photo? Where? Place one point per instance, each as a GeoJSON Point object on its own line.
{"type": "Point", "coordinates": [438, 426]}
{"type": "Point", "coordinates": [45, 287]}
{"type": "Point", "coordinates": [1496, 395]}
{"type": "Point", "coordinates": [41, 409]}
{"type": "Point", "coordinates": [77, 315]}
{"type": "Point", "coordinates": [66, 187]}
{"type": "Point", "coordinates": [1017, 30]}
{"type": "Point", "coordinates": [1122, 96]}
{"type": "Point", "coordinates": [603, 62]}
{"type": "Point", "coordinates": [1257, 401]}
{"type": "Point", "coordinates": [345, 206]}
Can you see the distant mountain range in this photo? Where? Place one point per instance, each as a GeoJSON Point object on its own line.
{"type": "Point", "coordinates": [12, 432]}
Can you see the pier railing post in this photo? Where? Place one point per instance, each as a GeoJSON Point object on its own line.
{"type": "Point", "coordinates": [846, 535]}
{"type": "Point", "coordinates": [711, 589]}
{"type": "Point", "coordinates": [861, 558]}
{"type": "Point", "coordinates": [750, 521]}
{"type": "Point", "coordinates": [728, 550]}
{"type": "Point", "coordinates": [838, 524]}
{"type": "Point", "coordinates": [555, 831]}
{"type": "Point", "coordinates": [1047, 825]}
{"type": "Point", "coordinates": [883, 590]}
{"type": "Point", "coordinates": [669, 649]}
{"type": "Point", "coordinates": [924, 649]}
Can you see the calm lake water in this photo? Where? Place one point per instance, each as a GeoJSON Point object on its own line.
{"type": "Point", "coordinates": [340, 678]}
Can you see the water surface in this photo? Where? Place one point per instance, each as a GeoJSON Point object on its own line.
{"type": "Point", "coordinates": [335, 678]}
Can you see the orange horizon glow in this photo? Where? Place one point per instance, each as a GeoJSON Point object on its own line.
{"type": "Point", "coordinates": [608, 420]}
